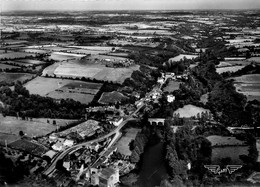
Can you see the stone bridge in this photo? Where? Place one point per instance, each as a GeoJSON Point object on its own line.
{"type": "Point", "coordinates": [156, 121]}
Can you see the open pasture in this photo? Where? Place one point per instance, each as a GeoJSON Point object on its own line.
{"type": "Point", "coordinates": [181, 57]}
{"type": "Point", "coordinates": [123, 143]}
{"type": "Point", "coordinates": [14, 55]}
{"type": "Point", "coordinates": [92, 71]}
{"type": "Point", "coordinates": [111, 97]}
{"type": "Point", "coordinates": [229, 69]}
{"type": "Point", "coordinates": [83, 92]}
{"type": "Point", "coordinates": [7, 66]}
{"type": "Point", "coordinates": [249, 85]}
{"type": "Point", "coordinates": [37, 51]}
{"type": "Point", "coordinates": [14, 77]}
{"type": "Point", "coordinates": [33, 62]}
{"type": "Point", "coordinates": [190, 110]}
{"type": "Point", "coordinates": [36, 127]}
{"type": "Point", "coordinates": [61, 56]}
{"type": "Point", "coordinates": [172, 86]}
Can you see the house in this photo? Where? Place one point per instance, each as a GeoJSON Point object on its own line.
{"type": "Point", "coordinates": [170, 98]}
{"type": "Point", "coordinates": [50, 154]}
{"type": "Point", "coordinates": [66, 165]}
{"type": "Point", "coordinates": [116, 122]}
{"type": "Point", "coordinates": [58, 146]}
{"type": "Point", "coordinates": [109, 177]}
{"type": "Point", "coordinates": [68, 143]}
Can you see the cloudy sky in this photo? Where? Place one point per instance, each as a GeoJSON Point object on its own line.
{"type": "Point", "coordinates": [127, 4]}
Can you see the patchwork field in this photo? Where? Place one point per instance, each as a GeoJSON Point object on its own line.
{"type": "Point", "coordinates": [36, 127]}
{"type": "Point", "coordinates": [6, 66]}
{"type": "Point", "coordinates": [249, 85]}
{"type": "Point", "coordinates": [92, 71]}
{"type": "Point", "coordinates": [254, 59]}
{"type": "Point", "coordinates": [39, 51]}
{"type": "Point", "coordinates": [226, 69]}
{"type": "Point", "coordinates": [83, 92]}
{"type": "Point", "coordinates": [233, 63]}
{"type": "Point", "coordinates": [181, 56]}
{"type": "Point", "coordinates": [14, 55]}
{"type": "Point", "coordinates": [8, 138]}
{"type": "Point", "coordinates": [60, 56]}
{"type": "Point", "coordinates": [172, 86]}
{"type": "Point", "coordinates": [33, 62]}
{"type": "Point", "coordinates": [111, 97]}
{"type": "Point", "coordinates": [190, 110]}
{"type": "Point", "coordinates": [123, 144]}
{"type": "Point", "coordinates": [14, 77]}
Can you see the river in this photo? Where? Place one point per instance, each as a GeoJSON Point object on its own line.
{"type": "Point", "coordinates": [153, 168]}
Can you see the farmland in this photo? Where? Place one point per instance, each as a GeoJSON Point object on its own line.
{"type": "Point", "coordinates": [181, 57]}
{"type": "Point", "coordinates": [123, 144]}
{"type": "Point", "coordinates": [230, 69]}
{"type": "Point", "coordinates": [60, 56]}
{"type": "Point", "coordinates": [36, 127]}
{"type": "Point", "coordinates": [14, 77]}
{"type": "Point", "coordinates": [172, 86]}
{"type": "Point", "coordinates": [111, 97]}
{"type": "Point", "coordinates": [6, 66]}
{"type": "Point", "coordinates": [83, 92]}
{"type": "Point", "coordinates": [92, 71]}
{"type": "Point", "coordinates": [233, 152]}
{"type": "Point", "coordinates": [248, 85]}
{"type": "Point", "coordinates": [189, 111]}
{"type": "Point", "coordinates": [14, 55]}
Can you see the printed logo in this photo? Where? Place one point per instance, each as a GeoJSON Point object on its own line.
{"type": "Point", "coordinates": [217, 170]}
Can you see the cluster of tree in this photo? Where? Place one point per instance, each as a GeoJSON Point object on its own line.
{"type": "Point", "coordinates": [228, 105]}
{"type": "Point", "coordinates": [186, 147]}
{"type": "Point", "coordinates": [142, 80]}
{"type": "Point", "coordinates": [11, 172]}
{"type": "Point", "coordinates": [138, 145]}
{"type": "Point", "coordinates": [20, 102]}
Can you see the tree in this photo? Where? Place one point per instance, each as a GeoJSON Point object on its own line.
{"type": "Point", "coordinates": [21, 133]}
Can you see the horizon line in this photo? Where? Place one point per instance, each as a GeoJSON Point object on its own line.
{"type": "Point", "coordinates": [100, 10]}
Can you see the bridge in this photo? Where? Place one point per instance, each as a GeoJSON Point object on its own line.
{"type": "Point", "coordinates": [156, 121]}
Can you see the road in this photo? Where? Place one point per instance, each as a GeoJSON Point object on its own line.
{"type": "Point", "coordinates": [115, 132]}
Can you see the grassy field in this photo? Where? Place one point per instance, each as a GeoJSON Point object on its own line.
{"type": "Point", "coordinates": [6, 66]}
{"type": "Point", "coordinates": [83, 92]}
{"type": "Point", "coordinates": [123, 144]}
{"type": "Point", "coordinates": [13, 77]}
{"type": "Point", "coordinates": [13, 55]}
{"type": "Point", "coordinates": [189, 111]}
{"type": "Point", "coordinates": [226, 69]}
{"type": "Point", "coordinates": [254, 59]}
{"type": "Point", "coordinates": [248, 85]}
{"type": "Point", "coordinates": [111, 97]}
{"type": "Point", "coordinates": [181, 56]}
{"type": "Point", "coordinates": [8, 138]}
{"type": "Point", "coordinates": [224, 140]}
{"type": "Point", "coordinates": [93, 71]}
{"type": "Point", "coordinates": [233, 152]}
{"type": "Point", "coordinates": [172, 86]}
{"type": "Point", "coordinates": [60, 56]}
{"type": "Point", "coordinates": [34, 62]}
{"type": "Point", "coordinates": [36, 127]}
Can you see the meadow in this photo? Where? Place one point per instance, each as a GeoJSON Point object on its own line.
{"type": "Point", "coordinates": [172, 86]}
{"type": "Point", "coordinates": [14, 77]}
{"type": "Point", "coordinates": [190, 110]}
{"type": "Point", "coordinates": [249, 85]}
{"type": "Point", "coordinates": [83, 92]}
{"type": "Point", "coordinates": [13, 55]}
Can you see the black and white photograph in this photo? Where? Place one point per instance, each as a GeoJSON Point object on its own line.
{"type": "Point", "coordinates": [129, 93]}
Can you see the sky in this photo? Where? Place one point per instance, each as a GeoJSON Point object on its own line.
{"type": "Point", "coordinates": [10, 5]}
